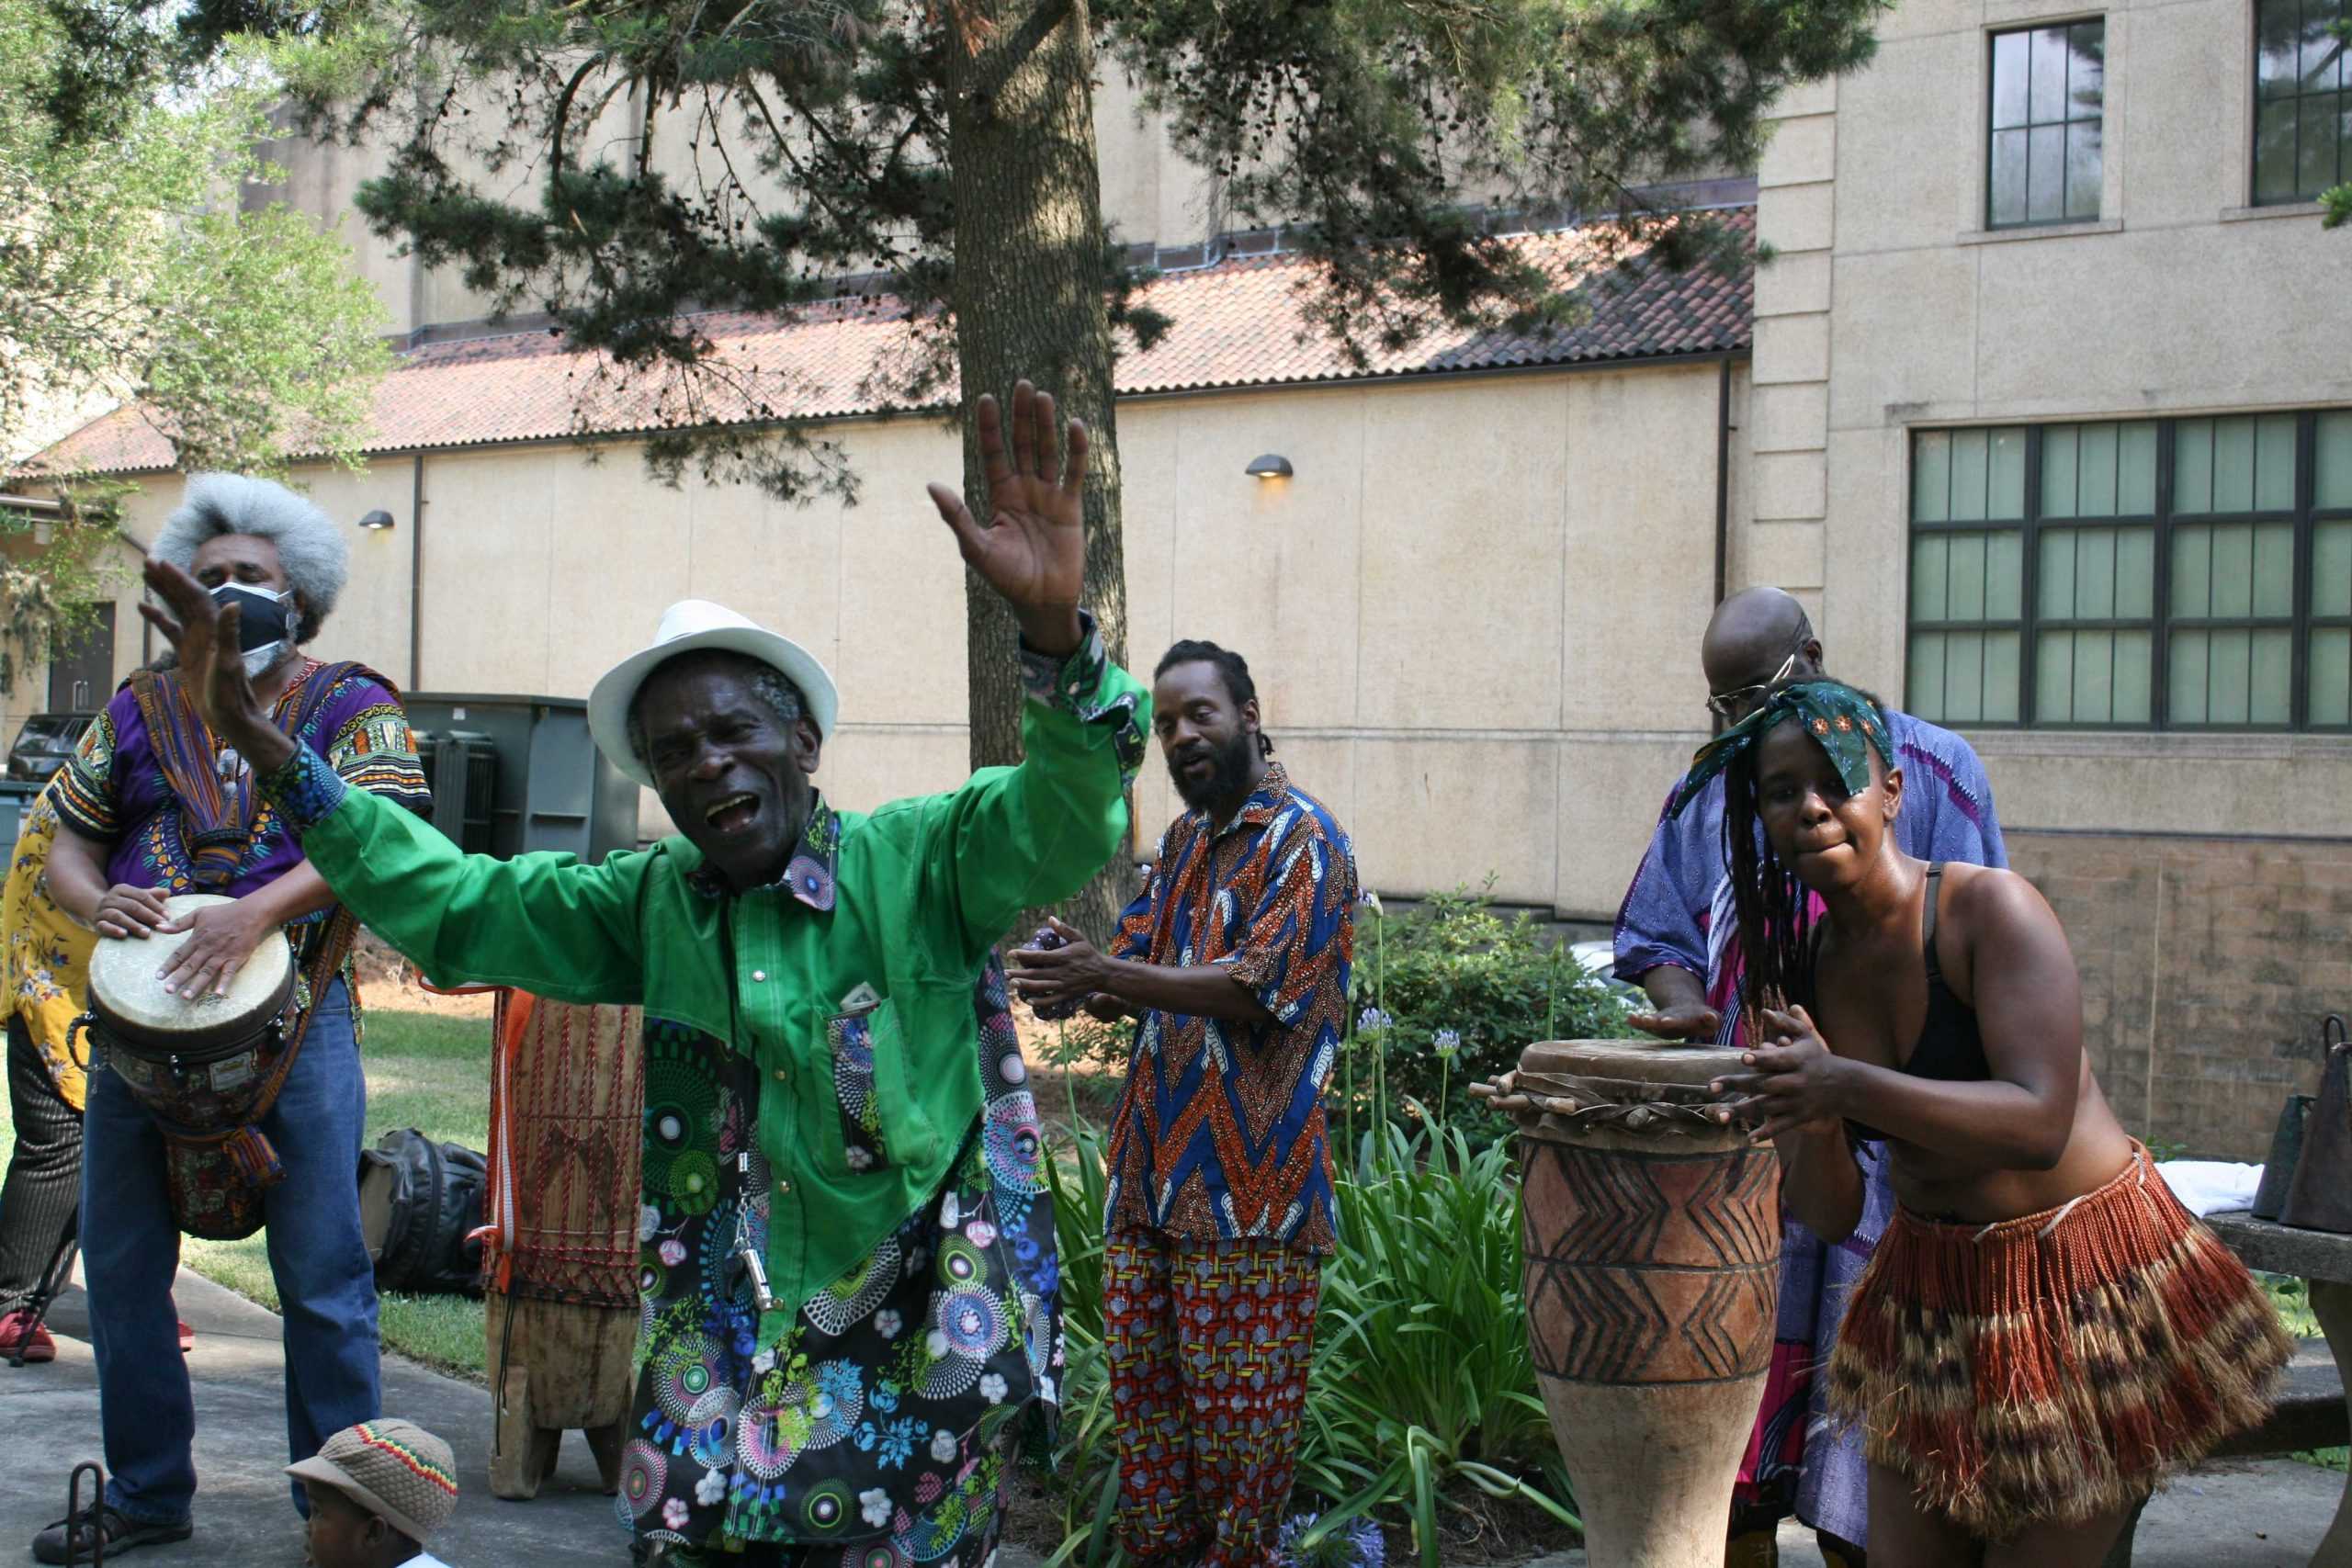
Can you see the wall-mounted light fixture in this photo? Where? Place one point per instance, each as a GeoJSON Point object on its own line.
{"type": "Point", "coordinates": [1273, 466]}
{"type": "Point", "coordinates": [377, 519]}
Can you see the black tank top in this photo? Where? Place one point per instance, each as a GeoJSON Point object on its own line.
{"type": "Point", "coordinates": [1950, 1048]}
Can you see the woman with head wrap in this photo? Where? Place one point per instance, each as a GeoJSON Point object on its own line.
{"type": "Point", "coordinates": [2045, 1331]}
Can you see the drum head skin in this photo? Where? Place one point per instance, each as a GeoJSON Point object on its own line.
{"type": "Point", "coordinates": [127, 996]}
{"type": "Point", "coordinates": [1634, 1061]}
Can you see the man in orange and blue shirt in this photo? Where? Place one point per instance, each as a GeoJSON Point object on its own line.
{"type": "Point", "coordinates": [1235, 962]}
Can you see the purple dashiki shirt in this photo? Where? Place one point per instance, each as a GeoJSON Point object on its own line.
{"type": "Point", "coordinates": [1680, 911]}
{"type": "Point", "coordinates": [114, 789]}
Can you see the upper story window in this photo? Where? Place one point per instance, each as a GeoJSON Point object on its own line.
{"type": "Point", "coordinates": [2169, 574]}
{"type": "Point", "coordinates": [2302, 92]}
{"type": "Point", "coordinates": [2048, 95]}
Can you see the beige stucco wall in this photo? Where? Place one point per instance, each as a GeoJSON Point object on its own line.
{"type": "Point", "coordinates": [1470, 614]}
{"type": "Point", "coordinates": [1473, 614]}
{"type": "Point", "coordinates": [1889, 309]}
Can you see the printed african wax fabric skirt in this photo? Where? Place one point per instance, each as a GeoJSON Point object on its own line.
{"type": "Point", "coordinates": [2056, 1367]}
{"type": "Point", "coordinates": [879, 1427]}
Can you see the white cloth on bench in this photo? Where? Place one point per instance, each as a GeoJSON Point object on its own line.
{"type": "Point", "coordinates": [2204, 1186]}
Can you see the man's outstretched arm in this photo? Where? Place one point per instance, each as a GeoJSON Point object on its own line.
{"type": "Point", "coordinates": [542, 922]}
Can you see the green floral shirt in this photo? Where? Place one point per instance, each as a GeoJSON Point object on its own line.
{"type": "Point", "coordinates": [849, 983]}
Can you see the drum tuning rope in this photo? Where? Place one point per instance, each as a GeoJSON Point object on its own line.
{"type": "Point", "coordinates": [1622, 1103]}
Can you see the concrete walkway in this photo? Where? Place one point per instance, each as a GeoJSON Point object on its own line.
{"type": "Point", "coordinates": [243, 1513]}
{"type": "Point", "coordinates": [2229, 1513]}
{"type": "Point", "coordinates": [2267, 1514]}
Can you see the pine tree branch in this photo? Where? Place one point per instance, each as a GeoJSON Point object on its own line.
{"type": "Point", "coordinates": [563, 114]}
{"type": "Point", "coordinates": [1009, 56]}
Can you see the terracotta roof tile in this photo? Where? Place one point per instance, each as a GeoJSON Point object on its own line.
{"type": "Point", "coordinates": [1237, 323]}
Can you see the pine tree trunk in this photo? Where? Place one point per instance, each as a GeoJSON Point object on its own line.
{"type": "Point", "coordinates": [1030, 301]}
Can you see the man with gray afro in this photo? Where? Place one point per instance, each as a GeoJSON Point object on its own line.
{"type": "Point", "coordinates": [312, 554]}
{"type": "Point", "coordinates": [155, 805]}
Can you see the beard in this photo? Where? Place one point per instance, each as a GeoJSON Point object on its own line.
{"type": "Point", "coordinates": [1226, 777]}
{"type": "Point", "coordinates": [261, 661]}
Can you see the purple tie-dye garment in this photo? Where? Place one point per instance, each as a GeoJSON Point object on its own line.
{"type": "Point", "coordinates": [1680, 911]}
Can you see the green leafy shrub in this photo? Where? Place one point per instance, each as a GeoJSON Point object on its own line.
{"type": "Point", "coordinates": [1490, 984]}
{"type": "Point", "coordinates": [1086, 1041]}
{"type": "Point", "coordinates": [1085, 1460]}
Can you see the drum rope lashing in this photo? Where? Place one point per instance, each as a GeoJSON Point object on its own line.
{"type": "Point", "coordinates": [1620, 1104]}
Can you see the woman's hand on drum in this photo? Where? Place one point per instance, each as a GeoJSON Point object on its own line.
{"type": "Point", "coordinates": [224, 937]}
{"type": "Point", "coordinates": [204, 634]}
{"type": "Point", "coordinates": [1798, 1081]}
{"type": "Point", "coordinates": [128, 911]}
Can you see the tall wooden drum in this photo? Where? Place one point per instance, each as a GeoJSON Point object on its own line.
{"type": "Point", "coordinates": [1652, 1239]}
{"type": "Point", "coordinates": [566, 1138]}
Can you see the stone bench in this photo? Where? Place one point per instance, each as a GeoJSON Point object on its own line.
{"type": "Point", "coordinates": [2312, 1412]}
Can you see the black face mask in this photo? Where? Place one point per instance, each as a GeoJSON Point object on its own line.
{"type": "Point", "coordinates": [262, 618]}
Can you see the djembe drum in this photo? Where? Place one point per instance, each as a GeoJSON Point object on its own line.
{"type": "Point", "coordinates": [560, 1248]}
{"type": "Point", "coordinates": [207, 1066]}
{"type": "Point", "coordinates": [1652, 1239]}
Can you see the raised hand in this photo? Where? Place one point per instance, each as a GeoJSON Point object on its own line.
{"type": "Point", "coordinates": [204, 634]}
{"type": "Point", "coordinates": [1033, 549]}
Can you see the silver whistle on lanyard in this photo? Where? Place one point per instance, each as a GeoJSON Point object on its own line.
{"type": "Point", "coordinates": [755, 1269]}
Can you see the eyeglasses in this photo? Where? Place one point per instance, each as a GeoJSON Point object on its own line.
{"type": "Point", "coordinates": [1725, 705]}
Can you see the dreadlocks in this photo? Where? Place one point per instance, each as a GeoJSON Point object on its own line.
{"type": "Point", "coordinates": [1775, 910]}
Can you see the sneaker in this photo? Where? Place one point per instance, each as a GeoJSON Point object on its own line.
{"type": "Point", "coordinates": [117, 1531]}
{"type": "Point", "coordinates": [19, 1326]}
{"type": "Point", "coordinates": [187, 1338]}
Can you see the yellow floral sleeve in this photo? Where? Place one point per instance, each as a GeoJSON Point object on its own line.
{"type": "Point", "coordinates": [48, 955]}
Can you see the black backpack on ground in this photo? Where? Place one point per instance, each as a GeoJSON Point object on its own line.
{"type": "Point", "coordinates": [419, 1203]}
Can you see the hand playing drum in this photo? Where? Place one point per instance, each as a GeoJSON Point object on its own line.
{"type": "Point", "coordinates": [129, 911]}
{"type": "Point", "coordinates": [224, 936]}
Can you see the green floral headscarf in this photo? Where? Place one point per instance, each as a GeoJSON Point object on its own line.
{"type": "Point", "coordinates": [1842, 721]}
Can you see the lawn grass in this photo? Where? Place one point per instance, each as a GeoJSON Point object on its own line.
{"type": "Point", "coordinates": [426, 1071]}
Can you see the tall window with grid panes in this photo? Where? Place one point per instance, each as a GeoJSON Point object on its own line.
{"type": "Point", "coordinates": [2174, 574]}
{"type": "Point", "coordinates": [2302, 92]}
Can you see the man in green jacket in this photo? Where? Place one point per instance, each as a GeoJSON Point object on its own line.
{"type": "Point", "coordinates": [848, 1269]}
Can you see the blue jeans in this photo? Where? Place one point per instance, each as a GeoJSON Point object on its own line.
{"type": "Point", "coordinates": [326, 1286]}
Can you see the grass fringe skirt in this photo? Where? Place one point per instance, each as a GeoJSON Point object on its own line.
{"type": "Point", "coordinates": [2056, 1367]}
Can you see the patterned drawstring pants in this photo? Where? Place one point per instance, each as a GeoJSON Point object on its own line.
{"type": "Point", "coordinates": [1208, 1347]}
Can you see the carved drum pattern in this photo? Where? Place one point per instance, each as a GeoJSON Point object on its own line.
{"type": "Point", "coordinates": [1652, 1243]}
{"type": "Point", "coordinates": [1646, 1268]}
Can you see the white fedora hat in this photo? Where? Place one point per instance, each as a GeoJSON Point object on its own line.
{"type": "Point", "coordinates": [688, 625]}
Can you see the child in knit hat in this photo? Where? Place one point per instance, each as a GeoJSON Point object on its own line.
{"type": "Point", "coordinates": [377, 1490]}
